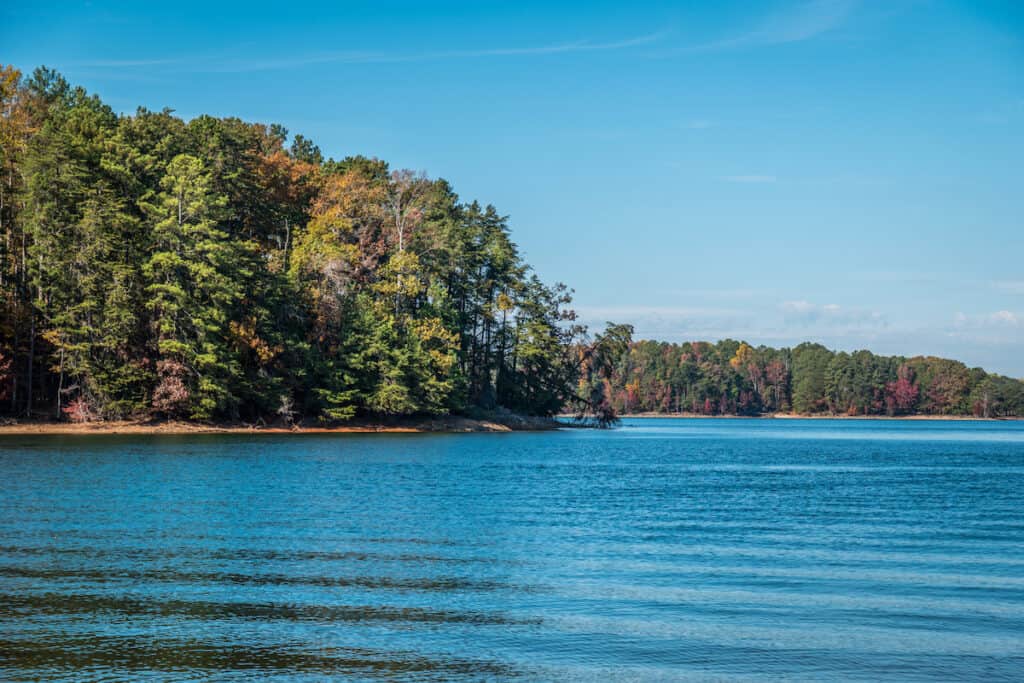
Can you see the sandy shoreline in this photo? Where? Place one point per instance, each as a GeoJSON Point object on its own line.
{"type": "Point", "coordinates": [447, 424]}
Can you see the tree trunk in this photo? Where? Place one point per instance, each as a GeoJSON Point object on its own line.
{"type": "Point", "coordinates": [60, 384]}
{"type": "Point", "coordinates": [31, 364]}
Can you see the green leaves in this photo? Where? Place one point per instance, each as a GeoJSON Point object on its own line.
{"type": "Point", "coordinates": [196, 276]}
{"type": "Point", "coordinates": [204, 270]}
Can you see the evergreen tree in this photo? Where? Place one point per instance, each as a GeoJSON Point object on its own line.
{"type": "Point", "coordinates": [810, 365]}
{"type": "Point", "coordinates": [195, 280]}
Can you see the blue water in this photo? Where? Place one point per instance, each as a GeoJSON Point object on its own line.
{"type": "Point", "coordinates": [663, 550]}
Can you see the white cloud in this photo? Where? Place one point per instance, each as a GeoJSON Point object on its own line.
{"type": "Point", "coordinates": [992, 340]}
{"type": "Point", "coordinates": [806, 314]}
{"type": "Point", "coordinates": [797, 307]}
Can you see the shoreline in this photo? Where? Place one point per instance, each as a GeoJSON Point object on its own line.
{"type": "Point", "coordinates": [448, 424]}
{"type": "Point", "coordinates": [798, 416]}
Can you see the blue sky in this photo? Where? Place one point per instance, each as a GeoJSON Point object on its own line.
{"type": "Point", "coordinates": [840, 171]}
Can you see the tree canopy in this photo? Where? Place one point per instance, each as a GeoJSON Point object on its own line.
{"type": "Point", "coordinates": [215, 269]}
{"type": "Point", "coordinates": [734, 378]}
{"type": "Point", "coordinates": [208, 269]}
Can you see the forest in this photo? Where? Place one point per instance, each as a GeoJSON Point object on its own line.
{"type": "Point", "coordinates": [215, 269]}
{"type": "Point", "coordinates": [734, 378]}
{"type": "Point", "coordinates": [220, 270]}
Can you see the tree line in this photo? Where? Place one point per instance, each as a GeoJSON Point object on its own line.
{"type": "Point", "coordinates": [219, 269]}
{"type": "Point", "coordinates": [216, 269]}
{"type": "Point", "coordinates": [734, 378]}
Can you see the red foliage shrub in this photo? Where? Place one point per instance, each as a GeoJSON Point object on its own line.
{"type": "Point", "coordinates": [171, 394]}
{"type": "Point", "coordinates": [80, 410]}
{"type": "Point", "coordinates": [901, 395]}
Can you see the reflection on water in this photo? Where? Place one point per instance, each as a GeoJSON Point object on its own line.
{"type": "Point", "coordinates": [62, 603]}
{"type": "Point", "coordinates": [115, 575]}
{"type": "Point", "coordinates": [668, 549]}
{"type": "Point", "coordinates": [128, 655]}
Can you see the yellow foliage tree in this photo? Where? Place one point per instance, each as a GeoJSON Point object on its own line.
{"type": "Point", "coordinates": [744, 354]}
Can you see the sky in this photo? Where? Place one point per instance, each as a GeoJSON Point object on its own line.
{"type": "Point", "coordinates": [838, 171]}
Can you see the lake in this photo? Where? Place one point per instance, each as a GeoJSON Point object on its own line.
{"type": "Point", "coordinates": [663, 550]}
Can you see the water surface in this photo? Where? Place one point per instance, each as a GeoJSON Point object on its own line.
{"type": "Point", "coordinates": [663, 550]}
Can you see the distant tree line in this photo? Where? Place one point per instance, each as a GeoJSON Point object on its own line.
{"type": "Point", "coordinates": [208, 269]}
{"type": "Point", "coordinates": [734, 378]}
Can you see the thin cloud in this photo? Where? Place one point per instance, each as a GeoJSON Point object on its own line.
{"type": "Point", "coordinates": [800, 321]}
{"type": "Point", "coordinates": [1014, 286]}
{"type": "Point", "coordinates": [805, 313]}
{"type": "Point", "coordinates": [223, 64]}
{"type": "Point", "coordinates": [801, 22]}
{"type": "Point", "coordinates": [127, 63]}
{"type": "Point", "coordinates": [995, 329]}
{"type": "Point", "coordinates": [991, 340]}
{"type": "Point", "coordinates": [727, 293]}
{"type": "Point", "coordinates": [1005, 318]}
{"type": "Point", "coordinates": [664, 311]}
{"type": "Point", "coordinates": [749, 178]}
{"type": "Point", "coordinates": [669, 322]}
{"type": "Point", "coordinates": [996, 319]}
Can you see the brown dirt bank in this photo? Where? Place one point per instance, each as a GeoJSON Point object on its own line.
{"type": "Point", "coordinates": [449, 423]}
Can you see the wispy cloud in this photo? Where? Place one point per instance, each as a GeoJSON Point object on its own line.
{"type": "Point", "coordinates": [992, 340]}
{"type": "Point", "coordinates": [997, 319]}
{"type": "Point", "coordinates": [805, 314]}
{"type": "Point", "coordinates": [998, 328]}
{"type": "Point", "coordinates": [755, 178]}
{"type": "Point", "coordinates": [664, 311]}
{"type": "Point", "coordinates": [734, 293]}
{"type": "Point", "coordinates": [127, 63]}
{"type": "Point", "coordinates": [670, 322]}
{"type": "Point", "coordinates": [1012, 286]}
{"type": "Point", "coordinates": [800, 22]}
{"type": "Point", "coordinates": [789, 323]}
{"type": "Point", "coordinates": [228, 64]}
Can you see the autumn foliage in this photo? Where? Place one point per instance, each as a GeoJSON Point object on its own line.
{"type": "Point", "coordinates": [217, 269]}
{"type": "Point", "coordinates": [734, 378]}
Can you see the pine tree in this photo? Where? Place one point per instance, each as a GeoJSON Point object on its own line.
{"type": "Point", "coordinates": [196, 279]}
